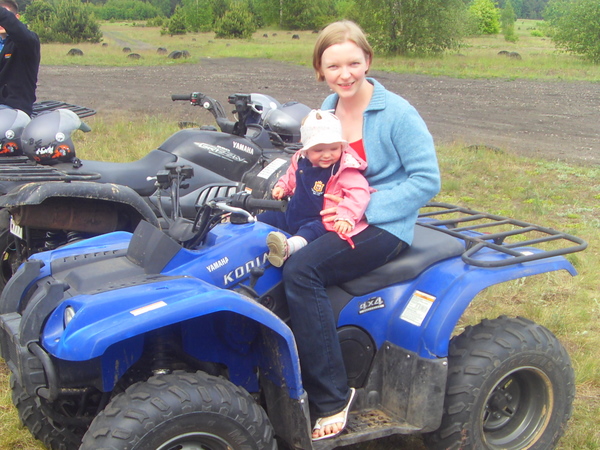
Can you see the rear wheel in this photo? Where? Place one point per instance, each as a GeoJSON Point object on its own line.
{"type": "Point", "coordinates": [180, 411]}
{"type": "Point", "coordinates": [510, 386]}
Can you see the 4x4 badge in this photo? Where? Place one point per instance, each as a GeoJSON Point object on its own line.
{"type": "Point", "coordinates": [370, 305]}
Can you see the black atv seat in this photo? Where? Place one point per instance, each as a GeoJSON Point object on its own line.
{"type": "Point", "coordinates": [428, 247]}
{"type": "Point", "coordinates": [131, 174]}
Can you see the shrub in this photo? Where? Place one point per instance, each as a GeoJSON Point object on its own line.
{"type": "Point", "coordinates": [126, 10]}
{"type": "Point", "coordinates": [68, 21]}
{"type": "Point", "coordinates": [574, 26]}
{"type": "Point", "coordinates": [237, 23]}
{"type": "Point", "coordinates": [176, 24]}
{"type": "Point", "coordinates": [485, 16]}
{"type": "Point", "coordinates": [414, 27]}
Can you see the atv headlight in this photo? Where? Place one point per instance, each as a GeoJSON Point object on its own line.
{"type": "Point", "coordinates": [68, 315]}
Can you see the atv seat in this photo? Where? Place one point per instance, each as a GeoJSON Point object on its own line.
{"type": "Point", "coordinates": [428, 247]}
{"type": "Point", "coordinates": [132, 174]}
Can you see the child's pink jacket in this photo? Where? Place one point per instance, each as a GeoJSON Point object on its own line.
{"type": "Point", "coordinates": [348, 183]}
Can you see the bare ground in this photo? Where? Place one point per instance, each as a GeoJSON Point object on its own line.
{"type": "Point", "coordinates": [550, 120]}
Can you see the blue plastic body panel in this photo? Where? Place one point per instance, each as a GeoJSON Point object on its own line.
{"type": "Point", "coordinates": [220, 325]}
{"type": "Point", "coordinates": [449, 287]}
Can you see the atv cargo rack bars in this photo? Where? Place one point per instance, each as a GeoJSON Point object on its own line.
{"type": "Point", "coordinates": [490, 249]}
{"type": "Point", "coordinates": [51, 105]}
{"type": "Point", "coordinates": [21, 168]}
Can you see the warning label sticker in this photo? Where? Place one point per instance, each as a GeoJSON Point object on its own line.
{"type": "Point", "coordinates": [417, 308]}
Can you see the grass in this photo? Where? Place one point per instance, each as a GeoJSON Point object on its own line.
{"type": "Point", "coordinates": [558, 195]}
{"type": "Point", "coordinates": [477, 58]}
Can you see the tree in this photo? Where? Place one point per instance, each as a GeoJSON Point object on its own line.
{"type": "Point", "coordinates": [517, 6]}
{"type": "Point", "coordinates": [486, 16]}
{"type": "Point", "coordinates": [508, 19]}
{"type": "Point", "coordinates": [198, 14]}
{"type": "Point", "coordinates": [414, 26]}
{"type": "Point", "coordinates": [575, 26]}
{"type": "Point", "coordinates": [126, 10]}
{"type": "Point", "coordinates": [68, 21]}
{"type": "Point", "coordinates": [176, 23]}
{"type": "Point", "coordinates": [237, 22]}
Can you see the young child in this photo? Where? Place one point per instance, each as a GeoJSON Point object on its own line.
{"type": "Point", "coordinates": [324, 165]}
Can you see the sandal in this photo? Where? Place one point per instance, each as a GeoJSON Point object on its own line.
{"type": "Point", "coordinates": [341, 417]}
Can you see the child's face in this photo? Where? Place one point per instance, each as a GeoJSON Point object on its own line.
{"type": "Point", "coordinates": [324, 155]}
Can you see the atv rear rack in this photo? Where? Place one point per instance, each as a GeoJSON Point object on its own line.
{"type": "Point", "coordinates": [492, 249]}
{"type": "Point", "coordinates": [51, 105]}
{"type": "Point", "coordinates": [21, 168]}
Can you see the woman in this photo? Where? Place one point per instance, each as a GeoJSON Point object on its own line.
{"type": "Point", "coordinates": [402, 167]}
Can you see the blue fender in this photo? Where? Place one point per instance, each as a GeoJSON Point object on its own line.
{"type": "Point", "coordinates": [449, 288]}
{"type": "Point", "coordinates": [216, 325]}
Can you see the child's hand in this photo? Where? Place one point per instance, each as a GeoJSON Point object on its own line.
{"type": "Point", "coordinates": [277, 193]}
{"type": "Point", "coordinates": [342, 227]}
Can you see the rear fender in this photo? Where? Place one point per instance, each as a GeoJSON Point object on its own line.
{"type": "Point", "coordinates": [78, 206]}
{"type": "Point", "coordinates": [424, 323]}
{"type": "Point", "coordinates": [216, 325]}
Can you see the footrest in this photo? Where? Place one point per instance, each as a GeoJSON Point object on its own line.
{"type": "Point", "coordinates": [366, 425]}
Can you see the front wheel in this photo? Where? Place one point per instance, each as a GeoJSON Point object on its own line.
{"type": "Point", "coordinates": [510, 386]}
{"type": "Point", "coordinates": [180, 411]}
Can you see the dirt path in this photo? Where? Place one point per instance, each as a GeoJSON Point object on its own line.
{"type": "Point", "coordinates": [553, 120]}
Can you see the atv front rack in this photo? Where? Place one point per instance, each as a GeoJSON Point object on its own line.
{"type": "Point", "coordinates": [21, 168]}
{"type": "Point", "coordinates": [497, 241]}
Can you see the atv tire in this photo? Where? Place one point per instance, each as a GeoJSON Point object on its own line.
{"type": "Point", "coordinates": [510, 386]}
{"type": "Point", "coordinates": [34, 420]}
{"type": "Point", "coordinates": [181, 410]}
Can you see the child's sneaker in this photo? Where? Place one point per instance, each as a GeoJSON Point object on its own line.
{"type": "Point", "coordinates": [278, 248]}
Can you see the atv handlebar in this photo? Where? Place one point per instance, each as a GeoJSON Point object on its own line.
{"type": "Point", "coordinates": [244, 201]}
{"type": "Point", "coordinates": [184, 97]}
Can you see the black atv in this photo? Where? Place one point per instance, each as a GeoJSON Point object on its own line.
{"type": "Point", "coordinates": [49, 197]}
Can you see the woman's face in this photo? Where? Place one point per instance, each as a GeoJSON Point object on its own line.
{"type": "Point", "coordinates": [344, 67]}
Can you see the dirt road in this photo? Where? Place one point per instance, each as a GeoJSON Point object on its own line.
{"type": "Point", "coordinates": [552, 120]}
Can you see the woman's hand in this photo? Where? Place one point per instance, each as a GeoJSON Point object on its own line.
{"type": "Point", "coordinates": [330, 214]}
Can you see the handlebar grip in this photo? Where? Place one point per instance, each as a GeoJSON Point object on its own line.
{"type": "Point", "coordinates": [175, 97]}
{"type": "Point", "coordinates": [261, 203]}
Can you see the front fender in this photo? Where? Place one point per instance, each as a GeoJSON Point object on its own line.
{"type": "Point", "coordinates": [217, 325]}
{"type": "Point", "coordinates": [78, 194]}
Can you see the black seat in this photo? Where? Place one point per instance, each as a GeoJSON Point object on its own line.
{"type": "Point", "coordinates": [132, 174]}
{"type": "Point", "coordinates": [429, 247]}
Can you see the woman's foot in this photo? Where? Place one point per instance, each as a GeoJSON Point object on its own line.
{"type": "Point", "coordinates": [328, 427]}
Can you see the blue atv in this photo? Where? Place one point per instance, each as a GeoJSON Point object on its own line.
{"type": "Point", "coordinates": [180, 340]}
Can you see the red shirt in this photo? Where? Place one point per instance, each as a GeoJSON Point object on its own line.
{"type": "Point", "coordinates": [359, 148]}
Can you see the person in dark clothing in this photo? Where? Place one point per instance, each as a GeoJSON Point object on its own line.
{"type": "Point", "coordinates": [19, 60]}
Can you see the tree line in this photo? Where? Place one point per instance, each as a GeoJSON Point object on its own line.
{"type": "Point", "coordinates": [400, 27]}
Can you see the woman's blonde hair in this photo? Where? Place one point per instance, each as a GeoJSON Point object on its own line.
{"type": "Point", "coordinates": [338, 33]}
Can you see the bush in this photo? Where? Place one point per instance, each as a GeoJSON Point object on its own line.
{"type": "Point", "coordinates": [176, 24]}
{"type": "Point", "coordinates": [574, 26]}
{"type": "Point", "coordinates": [414, 27]}
{"type": "Point", "coordinates": [68, 21]}
{"type": "Point", "coordinates": [126, 10]}
{"type": "Point", "coordinates": [485, 16]}
{"type": "Point", "coordinates": [236, 23]}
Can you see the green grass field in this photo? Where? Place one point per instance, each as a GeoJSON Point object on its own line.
{"type": "Point", "coordinates": [478, 57]}
{"type": "Point", "coordinates": [558, 195]}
